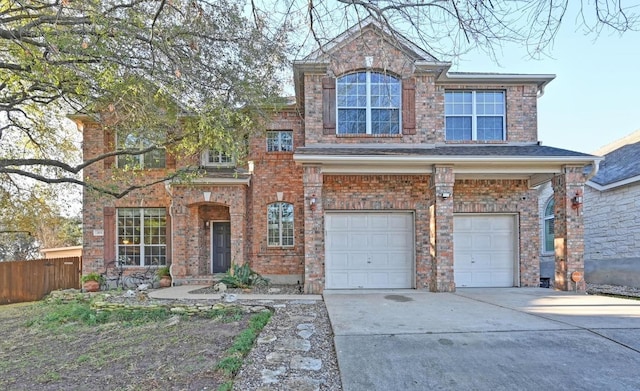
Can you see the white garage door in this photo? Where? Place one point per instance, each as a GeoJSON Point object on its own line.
{"type": "Point", "coordinates": [484, 250]}
{"type": "Point", "coordinates": [369, 250]}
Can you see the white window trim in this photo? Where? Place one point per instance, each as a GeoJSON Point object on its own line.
{"type": "Point", "coordinates": [369, 107]}
{"type": "Point", "coordinates": [280, 229]}
{"type": "Point", "coordinates": [206, 163]}
{"type": "Point", "coordinates": [279, 132]}
{"type": "Point", "coordinates": [474, 116]}
{"type": "Point", "coordinates": [546, 218]}
{"type": "Point", "coordinates": [142, 244]}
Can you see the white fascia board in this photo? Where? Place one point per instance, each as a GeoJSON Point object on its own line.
{"type": "Point", "coordinates": [493, 160]}
{"type": "Point", "coordinates": [540, 79]}
{"type": "Point", "coordinates": [613, 185]}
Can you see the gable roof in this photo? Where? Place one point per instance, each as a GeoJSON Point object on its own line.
{"type": "Point", "coordinates": [621, 166]}
{"type": "Point", "coordinates": [356, 31]}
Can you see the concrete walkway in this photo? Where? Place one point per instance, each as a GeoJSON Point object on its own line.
{"type": "Point", "coordinates": [183, 292]}
{"type": "Point", "coordinates": [485, 339]}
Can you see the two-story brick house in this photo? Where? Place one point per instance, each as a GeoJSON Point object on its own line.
{"type": "Point", "coordinates": [388, 171]}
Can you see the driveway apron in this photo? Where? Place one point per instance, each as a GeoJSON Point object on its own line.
{"type": "Point", "coordinates": [485, 339]}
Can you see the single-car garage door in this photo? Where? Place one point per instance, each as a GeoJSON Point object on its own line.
{"type": "Point", "coordinates": [369, 250]}
{"type": "Point", "coordinates": [484, 250]}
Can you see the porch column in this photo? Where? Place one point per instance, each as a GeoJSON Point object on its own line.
{"type": "Point", "coordinates": [441, 229]}
{"type": "Point", "coordinates": [568, 227]}
{"type": "Point", "coordinates": [179, 234]}
{"type": "Point", "coordinates": [313, 230]}
{"type": "Point", "coordinates": [238, 217]}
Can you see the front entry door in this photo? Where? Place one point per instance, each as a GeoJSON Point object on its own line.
{"type": "Point", "coordinates": [221, 247]}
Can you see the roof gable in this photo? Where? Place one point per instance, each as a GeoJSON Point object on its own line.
{"type": "Point", "coordinates": [368, 26]}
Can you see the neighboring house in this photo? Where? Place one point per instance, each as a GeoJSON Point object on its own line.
{"type": "Point", "coordinates": [62, 252]}
{"type": "Point", "coordinates": [612, 215]}
{"type": "Point", "coordinates": [389, 171]}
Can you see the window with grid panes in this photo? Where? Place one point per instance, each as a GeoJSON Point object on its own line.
{"type": "Point", "coordinates": [153, 159]}
{"type": "Point", "coordinates": [142, 236]}
{"type": "Point", "coordinates": [474, 115]}
{"type": "Point", "coordinates": [279, 141]}
{"type": "Point", "coordinates": [368, 103]}
{"type": "Point", "coordinates": [549, 233]}
{"type": "Point", "coordinates": [216, 158]}
{"type": "Point", "coordinates": [280, 224]}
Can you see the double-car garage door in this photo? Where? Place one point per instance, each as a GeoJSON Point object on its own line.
{"type": "Point", "coordinates": [370, 250]}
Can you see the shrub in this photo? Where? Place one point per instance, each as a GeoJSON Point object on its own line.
{"type": "Point", "coordinates": [241, 276]}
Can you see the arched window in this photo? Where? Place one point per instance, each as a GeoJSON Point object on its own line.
{"type": "Point", "coordinates": [368, 103]}
{"type": "Point", "coordinates": [280, 224]}
{"type": "Point", "coordinates": [549, 216]}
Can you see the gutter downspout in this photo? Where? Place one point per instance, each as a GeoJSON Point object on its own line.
{"type": "Point", "coordinates": [167, 188]}
{"type": "Point", "coordinates": [594, 172]}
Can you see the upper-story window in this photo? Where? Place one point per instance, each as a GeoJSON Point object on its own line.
{"type": "Point", "coordinates": [279, 141]}
{"type": "Point", "coordinates": [549, 232]}
{"type": "Point", "coordinates": [212, 157]}
{"type": "Point", "coordinates": [368, 103]}
{"type": "Point", "coordinates": [154, 159]}
{"type": "Point", "coordinates": [475, 115]}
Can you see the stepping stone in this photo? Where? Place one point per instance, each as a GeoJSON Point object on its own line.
{"type": "Point", "coordinates": [293, 344]}
{"type": "Point", "coordinates": [266, 339]}
{"type": "Point", "coordinates": [306, 363]}
{"type": "Point", "coordinates": [271, 376]}
{"type": "Point", "coordinates": [302, 384]}
{"type": "Point", "coordinates": [304, 302]}
{"type": "Point", "coordinates": [277, 357]}
{"type": "Point", "coordinates": [305, 334]}
{"type": "Point", "coordinates": [306, 330]}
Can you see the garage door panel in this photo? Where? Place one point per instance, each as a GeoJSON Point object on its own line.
{"type": "Point", "coordinates": [484, 250]}
{"type": "Point", "coordinates": [377, 252]}
{"type": "Point", "coordinates": [357, 222]}
{"type": "Point", "coordinates": [481, 242]}
{"type": "Point", "coordinates": [378, 241]}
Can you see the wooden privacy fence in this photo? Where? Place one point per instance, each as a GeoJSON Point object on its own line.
{"type": "Point", "coordinates": [32, 280]}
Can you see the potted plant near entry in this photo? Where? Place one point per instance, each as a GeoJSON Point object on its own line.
{"type": "Point", "coordinates": [91, 282]}
{"type": "Point", "coordinates": [164, 275]}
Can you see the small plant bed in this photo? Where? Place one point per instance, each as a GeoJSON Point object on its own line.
{"type": "Point", "coordinates": [74, 345]}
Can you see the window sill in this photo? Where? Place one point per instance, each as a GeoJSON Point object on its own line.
{"type": "Point", "coordinates": [476, 142]}
{"type": "Point", "coordinates": [360, 135]}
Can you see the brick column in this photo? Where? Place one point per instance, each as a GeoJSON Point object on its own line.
{"type": "Point", "coordinates": [441, 224]}
{"type": "Point", "coordinates": [238, 216]}
{"type": "Point", "coordinates": [568, 227]}
{"type": "Point", "coordinates": [313, 230]}
{"type": "Point", "coordinates": [179, 219]}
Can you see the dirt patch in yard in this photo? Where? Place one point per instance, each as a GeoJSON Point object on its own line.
{"type": "Point", "coordinates": [174, 353]}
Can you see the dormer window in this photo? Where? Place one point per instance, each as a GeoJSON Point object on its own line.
{"type": "Point", "coordinates": [368, 103]}
{"type": "Point", "coordinates": [475, 115]}
{"type": "Point", "coordinates": [212, 157]}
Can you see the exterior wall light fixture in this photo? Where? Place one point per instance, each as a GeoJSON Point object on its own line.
{"type": "Point", "coordinates": [445, 194]}
{"type": "Point", "coordinates": [312, 202]}
{"type": "Point", "coordinates": [576, 201]}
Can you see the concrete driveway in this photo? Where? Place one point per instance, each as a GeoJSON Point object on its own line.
{"type": "Point", "coordinates": [485, 339]}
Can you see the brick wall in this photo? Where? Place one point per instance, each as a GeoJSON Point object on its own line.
{"type": "Point", "coordinates": [276, 172]}
{"type": "Point", "coordinates": [521, 100]}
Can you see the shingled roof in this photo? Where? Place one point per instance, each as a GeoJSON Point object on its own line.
{"type": "Point", "coordinates": [619, 165]}
{"type": "Point", "coordinates": [529, 150]}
